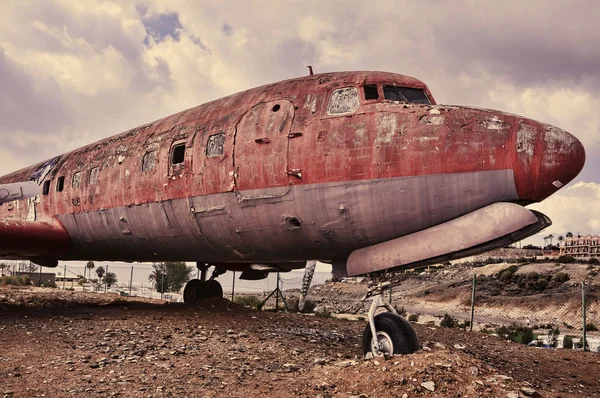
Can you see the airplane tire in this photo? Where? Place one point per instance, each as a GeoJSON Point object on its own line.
{"type": "Point", "coordinates": [412, 341]}
{"type": "Point", "coordinates": [194, 290]}
{"type": "Point", "coordinates": [389, 336]}
{"type": "Point", "coordinates": [214, 288]}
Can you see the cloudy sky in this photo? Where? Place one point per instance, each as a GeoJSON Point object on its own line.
{"type": "Point", "coordinates": [72, 72]}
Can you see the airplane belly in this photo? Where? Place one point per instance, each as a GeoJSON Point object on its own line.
{"type": "Point", "coordinates": [315, 221]}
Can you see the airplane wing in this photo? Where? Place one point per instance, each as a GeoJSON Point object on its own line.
{"type": "Point", "coordinates": [18, 190]}
{"type": "Point", "coordinates": [38, 241]}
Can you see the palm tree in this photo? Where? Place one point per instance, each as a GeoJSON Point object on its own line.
{"type": "Point", "coordinates": [90, 266]}
{"type": "Point", "coordinates": [2, 267]}
{"type": "Point", "coordinates": [100, 271]}
{"type": "Point", "coordinates": [560, 240]}
{"type": "Point", "coordinates": [569, 234]}
{"type": "Point", "coordinates": [550, 237]}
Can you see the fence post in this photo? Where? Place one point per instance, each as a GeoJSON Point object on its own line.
{"type": "Point", "coordinates": [162, 285]}
{"type": "Point", "coordinates": [105, 278]}
{"type": "Point", "coordinates": [130, 281]}
{"type": "Point", "coordinates": [64, 275]}
{"type": "Point", "coordinates": [233, 287]}
{"type": "Point", "coordinates": [277, 294]}
{"type": "Point", "coordinates": [473, 302]}
{"type": "Point", "coordinates": [583, 342]}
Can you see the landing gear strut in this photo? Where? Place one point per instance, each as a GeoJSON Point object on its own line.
{"type": "Point", "coordinates": [387, 333]}
{"type": "Point", "coordinates": [197, 289]}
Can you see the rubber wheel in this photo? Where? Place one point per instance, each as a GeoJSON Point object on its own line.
{"type": "Point", "coordinates": [389, 337]}
{"type": "Point", "coordinates": [410, 337]}
{"type": "Point", "coordinates": [214, 288]}
{"type": "Point", "coordinates": [194, 290]}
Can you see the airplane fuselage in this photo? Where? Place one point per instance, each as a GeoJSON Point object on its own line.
{"type": "Point", "coordinates": [309, 168]}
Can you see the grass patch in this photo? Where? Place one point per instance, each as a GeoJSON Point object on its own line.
{"type": "Point", "coordinates": [324, 313]}
{"type": "Point", "coordinates": [249, 301]}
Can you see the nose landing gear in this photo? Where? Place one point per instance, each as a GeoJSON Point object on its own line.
{"type": "Point", "coordinates": [387, 333]}
{"type": "Point", "coordinates": [197, 289]}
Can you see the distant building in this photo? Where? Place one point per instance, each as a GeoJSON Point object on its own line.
{"type": "Point", "coordinates": [581, 246]}
{"type": "Point", "coordinates": [38, 278]}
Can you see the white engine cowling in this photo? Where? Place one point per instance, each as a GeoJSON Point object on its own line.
{"type": "Point", "coordinates": [488, 228]}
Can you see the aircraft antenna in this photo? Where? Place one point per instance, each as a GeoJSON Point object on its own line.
{"type": "Point", "coordinates": [310, 70]}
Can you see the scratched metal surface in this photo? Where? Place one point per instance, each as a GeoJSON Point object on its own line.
{"type": "Point", "coordinates": [332, 220]}
{"type": "Point", "coordinates": [277, 138]}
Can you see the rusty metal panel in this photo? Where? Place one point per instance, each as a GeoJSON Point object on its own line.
{"type": "Point", "coordinates": [261, 146]}
{"type": "Point", "coordinates": [307, 181]}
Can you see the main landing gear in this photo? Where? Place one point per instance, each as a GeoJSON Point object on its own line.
{"type": "Point", "coordinates": [387, 333]}
{"type": "Point", "coordinates": [197, 289]}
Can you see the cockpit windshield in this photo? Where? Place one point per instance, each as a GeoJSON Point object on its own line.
{"type": "Point", "coordinates": [406, 94]}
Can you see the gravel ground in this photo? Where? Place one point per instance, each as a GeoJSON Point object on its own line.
{"type": "Point", "coordinates": [55, 343]}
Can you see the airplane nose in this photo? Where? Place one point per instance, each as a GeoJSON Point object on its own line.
{"type": "Point", "coordinates": [547, 157]}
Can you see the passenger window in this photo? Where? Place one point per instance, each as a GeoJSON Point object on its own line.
{"type": "Point", "coordinates": [149, 161]}
{"type": "Point", "coordinates": [76, 183]}
{"type": "Point", "coordinates": [371, 92]}
{"type": "Point", "coordinates": [215, 145]}
{"type": "Point", "coordinates": [343, 100]}
{"type": "Point", "coordinates": [46, 188]}
{"type": "Point", "coordinates": [94, 175]}
{"type": "Point", "coordinates": [60, 184]}
{"type": "Point", "coordinates": [178, 154]}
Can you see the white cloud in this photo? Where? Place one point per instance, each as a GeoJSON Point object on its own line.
{"type": "Point", "coordinates": [87, 62]}
{"type": "Point", "coordinates": [573, 209]}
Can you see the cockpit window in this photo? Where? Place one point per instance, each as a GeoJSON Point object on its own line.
{"type": "Point", "coordinates": [343, 100]}
{"type": "Point", "coordinates": [405, 94]}
{"type": "Point", "coordinates": [371, 91]}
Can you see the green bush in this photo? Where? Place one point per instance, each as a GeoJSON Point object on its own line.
{"type": "Point", "coordinates": [464, 325]}
{"type": "Point", "coordinates": [448, 321]}
{"type": "Point", "coordinates": [49, 283]}
{"type": "Point", "coordinates": [413, 318]}
{"type": "Point", "coordinates": [532, 276]}
{"type": "Point", "coordinates": [541, 283]}
{"type": "Point", "coordinates": [249, 301]}
{"type": "Point", "coordinates": [590, 327]}
{"type": "Point", "coordinates": [15, 280]}
{"type": "Point", "coordinates": [593, 261]}
{"type": "Point", "coordinates": [566, 259]}
{"type": "Point", "coordinates": [505, 275]}
{"type": "Point", "coordinates": [561, 277]}
{"type": "Point", "coordinates": [568, 342]}
{"type": "Point", "coordinates": [518, 334]}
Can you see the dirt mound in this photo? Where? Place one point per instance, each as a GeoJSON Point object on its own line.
{"type": "Point", "coordinates": [64, 344]}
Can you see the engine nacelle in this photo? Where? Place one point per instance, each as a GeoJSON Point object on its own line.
{"type": "Point", "coordinates": [488, 228]}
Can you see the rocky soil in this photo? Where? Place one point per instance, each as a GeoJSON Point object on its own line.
{"type": "Point", "coordinates": [57, 343]}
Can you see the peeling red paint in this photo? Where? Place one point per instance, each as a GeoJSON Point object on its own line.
{"type": "Point", "coordinates": [281, 135]}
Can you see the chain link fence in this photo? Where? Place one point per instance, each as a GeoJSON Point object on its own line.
{"type": "Point", "coordinates": [551, 303]}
